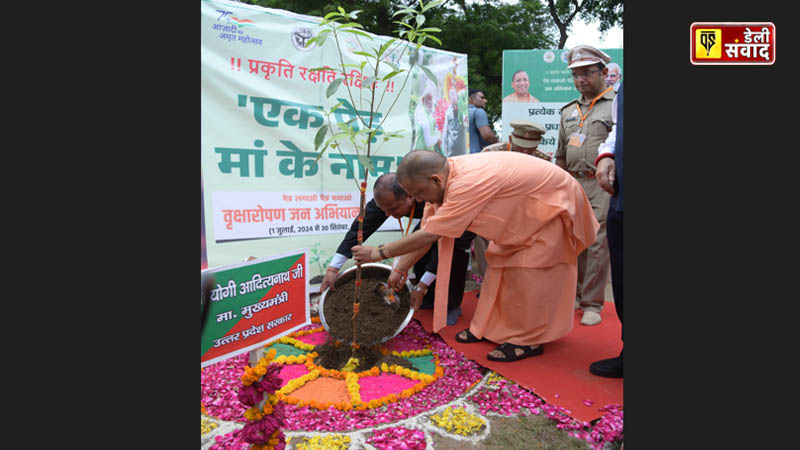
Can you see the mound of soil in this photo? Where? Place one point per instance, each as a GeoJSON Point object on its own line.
{"type": "Point", "coordinates": [334, 355]}
{"type": "Point", "coordinates": [376, 319]}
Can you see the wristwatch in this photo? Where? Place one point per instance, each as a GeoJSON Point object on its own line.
{"type": "Point", "coordinates": [419, 288]}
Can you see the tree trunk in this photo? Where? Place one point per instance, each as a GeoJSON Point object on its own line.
{"type": "Point", "coordinates": [563, 40]}
{"type": "Point", "coordinates": [564, 24]}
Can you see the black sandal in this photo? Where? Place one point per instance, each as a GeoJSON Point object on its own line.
{"type": "Point", "coordinates": [509, 350]}
{"type": "Point", "coordinates": [470, 337]}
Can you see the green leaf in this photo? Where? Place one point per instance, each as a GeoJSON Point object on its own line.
{"type": "Point", "coordinates": [321, 152]}
{"type": "Point", "coordinates": [341, 10]}
{"type": "Point", "coordinates": [404, 24]}
{"type": "Point", "coordinates": [350, 24]}
{"type": "Point", "coordinates": [359, 33]}
{"type": "Point", "coordinates": [434, 38]}
{"type": "Point", "coordinates": [366, 162]}
{"type": "Point", "coordinates": [431, 5]}
{"type": "Point", "coordinates": [430, 75]}
{"type": "Point", "coordinates": [320, 137]}
{"type": "Point", "coordinates": [430, 30]}
{"type": "Point", "coordinates": [396, 72]}
{"type": "Point", "coordinates": [420, 20]}
{"type": "Point", "coordinates": [333, 87]}
{"type": "Point", "coordinates": [405, 11]}
{"type": "Point", "coordinates": [367, 82]}
{"type": "Point", "coordinates": [354, 14]}
{"type": "Point", "coordinates": [393, 66]}
{"type": "Point", "coordinates": [385, 46]}
{"type": "Point", "coordinates": [346, 129]}
{"type": "Point", "coordinates": [365, 54]}
{"type": "Point", "coordinates": [337, 105]}
{"type": "Point", "coordinates": [337, 136]}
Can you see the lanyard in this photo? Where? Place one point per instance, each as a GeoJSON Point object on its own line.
{"type": "Point", "coordinates": [410, 218]}
{"type": "Point", "coordinates": [591, 105]}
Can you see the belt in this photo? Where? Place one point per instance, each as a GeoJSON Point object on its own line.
{"type": "Point", "coordinates": [582, 173]}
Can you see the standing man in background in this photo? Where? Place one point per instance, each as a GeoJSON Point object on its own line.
{"type": "Point", "coordinates": [585, 124]}
{"type": "Point", "coordinates": [480, 133]}
{"type": "Point", "coordinates": [610, 165]}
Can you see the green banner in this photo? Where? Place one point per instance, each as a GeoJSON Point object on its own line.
{"type": "Point", "coordinates": [550, 88]}
{"type": "Point", "coordinates": [264, 189]}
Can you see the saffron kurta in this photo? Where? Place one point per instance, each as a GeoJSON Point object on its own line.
{"type": "Point", "coordinates": [537, 219]}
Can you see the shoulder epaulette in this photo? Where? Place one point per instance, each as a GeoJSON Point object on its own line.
{"type": "Point", "coordinates": [565, 106]}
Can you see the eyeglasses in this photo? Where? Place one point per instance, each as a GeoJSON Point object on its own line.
{"type": "Point", "coordinates": [586, 74]}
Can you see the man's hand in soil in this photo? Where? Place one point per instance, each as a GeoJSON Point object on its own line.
{"type": "Point", "coordinates": [329, 279]}
{"type": "Point", "coordinates": [396, 281]}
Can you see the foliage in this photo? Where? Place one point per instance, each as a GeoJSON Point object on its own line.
{"type": "Point", "coordinates": [361, 132]}
{"type": "Point", "coordinates": [318, 257]}
{"type": "Point", "coordinates": [481, 29]}
{"type": "Point", "coordinates": [563, 12]}
{"type": "Point", "coordinates": [607, 12]}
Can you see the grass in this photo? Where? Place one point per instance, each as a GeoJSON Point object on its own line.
{"type": "Point", "coordinates": [530, 432]}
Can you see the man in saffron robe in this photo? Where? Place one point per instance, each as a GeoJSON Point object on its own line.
{"type": "Point", "coordinates": [537, 219]}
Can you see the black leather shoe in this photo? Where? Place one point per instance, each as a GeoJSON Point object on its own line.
{"type": "Point", "coordinates": [609, 368]}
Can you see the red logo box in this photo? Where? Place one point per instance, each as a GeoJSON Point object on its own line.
{"type": "Point", "coordinates": [737, 43]}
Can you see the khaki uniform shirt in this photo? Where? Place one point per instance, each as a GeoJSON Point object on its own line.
{"type": "Point", "coordinates": [595, 128]}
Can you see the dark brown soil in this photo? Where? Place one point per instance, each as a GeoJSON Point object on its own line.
{"type": "Point", "coordinates": [376, 321]}
{"type": "Point", "coordinates": [334, 355]}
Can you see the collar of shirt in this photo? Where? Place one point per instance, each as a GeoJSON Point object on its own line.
{"type": "Point", "coordinates": [607, 96]}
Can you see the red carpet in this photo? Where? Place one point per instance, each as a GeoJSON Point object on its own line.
{"type": "Point", "coordinates": [561, 374]}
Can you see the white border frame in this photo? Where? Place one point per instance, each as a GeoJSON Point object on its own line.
{"type": "Point", "coordinates": [267, 341]}
{"type": "Point", "coordinates": [774, 48]}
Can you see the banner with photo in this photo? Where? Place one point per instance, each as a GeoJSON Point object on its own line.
{"type": "Point", "coordinates": [550, 87]}
{"type": "Point", "coordinates": [264, 189]}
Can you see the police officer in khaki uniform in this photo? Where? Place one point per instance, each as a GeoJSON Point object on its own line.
{"type": "Point", "coordinates": [585, 124]}
{"type": "Point", "coordinates": [525, 137]}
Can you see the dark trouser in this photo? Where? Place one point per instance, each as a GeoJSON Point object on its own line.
{"type": "Point", "coordinates": [614, 232]}
{"type": "Point", "coordinates": [458, 272]}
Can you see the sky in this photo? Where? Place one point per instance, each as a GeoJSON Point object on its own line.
{"type": "Point", "coordinates": [583, 33]}
{"type": "Point", "coordinates": [587, 33]}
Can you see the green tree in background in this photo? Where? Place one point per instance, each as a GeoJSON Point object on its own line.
{"type": "Point", "coordinates": [607, 12]}
{"type": "Point", "coordinates": [481, 29]}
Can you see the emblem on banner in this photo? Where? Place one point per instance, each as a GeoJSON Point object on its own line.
{"type": "Point", "coordinates": [720, 43]}
{"type": "Point", "coordinates": [300, 36]}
